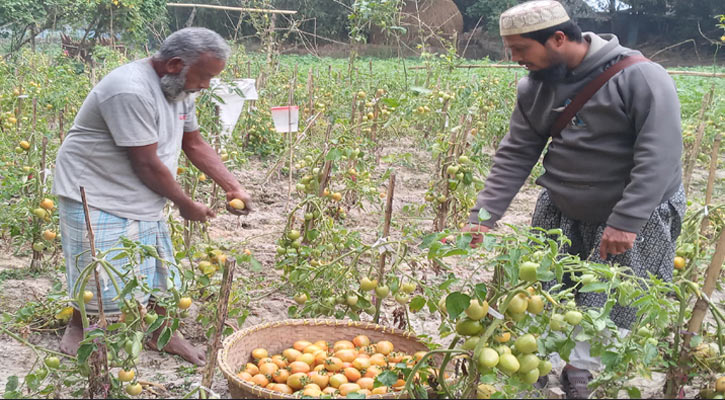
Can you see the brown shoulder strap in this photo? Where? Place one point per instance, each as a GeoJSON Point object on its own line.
{"type": "Point", "coordinates": [588, 91]}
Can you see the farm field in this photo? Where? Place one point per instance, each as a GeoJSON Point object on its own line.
{"type": "Point", "coordinates": [317, 245]}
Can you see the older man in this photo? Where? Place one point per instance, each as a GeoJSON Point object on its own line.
{"type": "Point", "coordinates": [124, 148]}
{"type": "Point", "coordinates": [612, 178]}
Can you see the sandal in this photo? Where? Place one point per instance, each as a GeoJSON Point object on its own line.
{"type": "Point", "coordinates": [574, 382]}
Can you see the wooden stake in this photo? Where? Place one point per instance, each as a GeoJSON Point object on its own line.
{"type": "Point", "coordinates": [291, 135]}
{"type": "Point", "coordinates": [221, 317]}
{"type": "Point", "coordinates": [61, 133]}
{"type": "Point", "coordinates": [710, 181]}
{"type": "Point", "coordinates": [692, 156]}
{"type": "Point", "coordinates": [386, 233]}
{"type": "Point", "coordinates": [98, 379]}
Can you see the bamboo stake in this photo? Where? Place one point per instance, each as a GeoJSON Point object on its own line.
{"type": "Point", "coordinates": [228, 8]}
{"type": "Point", "coordinates": [712, 276]}
{"type": "Point", "coordinates": [386, 233]}
{"type": "Point", "coordinates": [290, 136]}
{"type": "Point", "coordinates": [710, 182]}
{"type": "Point", "coordinates": [692, 156]}
{"type": "Point", "coordinates": [512, 66]}
{"type": "Point", "coordinates": [98, 379]}
{"type": "Point", "coordinates": [61, 134]}
{"type": "Point", "coordinates": [221, 316]}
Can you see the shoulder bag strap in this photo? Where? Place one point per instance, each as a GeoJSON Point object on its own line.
{"type": "Point", "coordinates": [588, 91]}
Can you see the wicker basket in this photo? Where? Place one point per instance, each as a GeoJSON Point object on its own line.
{"type": "Point", "coordinates": [279, 335]}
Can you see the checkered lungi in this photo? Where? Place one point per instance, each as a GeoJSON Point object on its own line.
{"type": "Point", "coordinates": [653, 251]}
{"type": "Point", "coordinates": [108, 229]}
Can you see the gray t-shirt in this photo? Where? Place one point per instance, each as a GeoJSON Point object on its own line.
{"type": "Point", "coordinates": [125, 109]}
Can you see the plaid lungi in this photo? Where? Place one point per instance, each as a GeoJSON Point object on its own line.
{"type": "Point", "coordinates": [653, 251]}
{"type": "Point", "coordinates": [108, 230]}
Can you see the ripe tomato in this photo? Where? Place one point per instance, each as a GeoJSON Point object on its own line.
{"type": "Point", "coordinates": [184, 303]}
{"type": "Point", "coordinates": [361, 341]}
{"type": "Point", "coordinates": [366, 383]}
{"type": "Point", "coordinates": [333, 364]}
{"type": "Point", "coordinates": [372, 372]}
{"type": "Point", "coordinates": [298, 380]}
{"type": "Point", "coordinates": [347, 388]}
{"type": "Point", "coordinates": [292, 354]}
{"type": "Point", "coordinates": [311, 392]}
{"type": "Point", "coordinates": [259, 353]}
{"type": "Point", "coordinates": [251, 369]}
{"type": "Point", "coordinates": [343, 345]}
{"type": "Point", "coordinates": [245, 376]}
{"type": "Point", "coordinates": [126, 376]}
{"type": "Point", "coordinates": [352, 374]}
{"type": "Point", "coordinates": [680, 263]}
{"type": "Point", "coordinates": [503, 337]}
{"type": "Point", "coordinates": [308, 358]}
{"type": "Point", "coordinates": [720, 384]}
{"type": "Point", "coordinates": [379, 360]}
{"type": "Point", "coordinates": [380, 390]}
{"type": "Point", "coordinates": [279, 360]}
{"type": "Point", "coordinates": [311, 349]}
{"type": "Point", "coordinates": [320, 379]}
{"type": "Point", "coordinates": [384, 347]}
{"type": "Point", "coordinates": [280, 375]}
{"type": "Point", "coordinates": [346, 355]}
{"type": "Point", "coordinates": [526, 344]}
{"type": "Point", "coordinates": [322, 344]}
{"type": "Point", "coordinates": [337, 380]}
{"type": "Point", "coordinates": [268, 369]}
{"type": "Point", "coordinates": [297, 367]}
{"type": "Point", "coordinates": [361, 363]}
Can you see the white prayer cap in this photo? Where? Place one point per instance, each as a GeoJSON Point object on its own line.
{"type": "Point", "coordinates": [532, 16]}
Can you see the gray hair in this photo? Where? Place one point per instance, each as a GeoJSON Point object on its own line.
{"type": "Point", "coordinates": [190, 43]}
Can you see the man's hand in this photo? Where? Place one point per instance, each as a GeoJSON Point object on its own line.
{"type": "Point", "coordinates": [477, 231]}
{"type": "Point", "coordinates": [195, 211]}
{"type": "Point", "coordinates": [615, 242]}
{"type": "Point", "coordinates": [242, 195]}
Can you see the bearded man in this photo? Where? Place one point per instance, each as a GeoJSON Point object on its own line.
{"type": "Point", "coordinates": [612, 180]}
{"type": "Point", "coordinates": [123, 149]}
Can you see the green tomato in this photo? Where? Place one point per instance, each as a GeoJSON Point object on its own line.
{"type": "Point", "coordinates": [408, 287]}
{"type": "Point", "coordinates": [527, 271]}
{"type": "Point", "coordinates": [518, 304]}
{"type": "Point", "coordinates": [545, 367]}
{"type": "Point", "coordinates": [301, 298]}
{"type": "Point", "coordinates": [52, 362]}
{"type": "Point", "coordinates": [382, 291]}
{"type": "Point", "coordinates": [528, 362]}
{"type": "Point", "coordinates": [557, 322]}
{"type": "Point", "coordinates": [573, 317]}
{"type": "Point", "coordinates": [468, 327]}
{"type": "Point", "coordinates": [477, 310]}
{"type": "Point", "coordinates": [293, 234]}
{"type": "Point", "coordinates": [487, 359]}
{"type": "Point", "coordinates": [503, 349]}
{"type": "Point", "coordinates": [526, 344]}
{"type": "Point", "coordinates": [531, 377]}
{"type": "Point", "coordinates": [587, 279]}
{"type": "Point", "coordinates": [351, 300]}
{"type": "Point", "coordinates": [402, 298]}
{"type": "Point", "coordinates": [508, 364]}
{"type": "Point", "coordinates": [470, 343]}
{"type": "Point", "coordinates": [150, 318]}
{"type": "Point", "coordinates": [536, 305]}
{"type": "Point", "coordinates": [367, 285]}
{"type": "Point", "coordinates": [644, 332]}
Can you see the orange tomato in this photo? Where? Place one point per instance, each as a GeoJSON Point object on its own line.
{"type": "Point", "coordinates": [366, 383]}
{"type": "Point", "coordinates": [352, 374]}
{"type": "Point", "coordinates": [298, 381]}
{"type": "Point", "coordinates": [361, 341]}
{"type": "Point", "coordinates": [299, 366]}
{"type": "Point", "coordinates": [268, 369]}
{"type": "Point", "coordinates": [307, 358]}
{"type": "Point", "coordinates": [346, 355]}
{"type": "Point", "coordinates": [395, 357]}
{"type": "Point", "coordinates": [312, 392]}
{"type": "Point", "coordinates": [366, 392]}
{"type": "Point", "coordinates": [259, 354]}
{"type": "Point", "coordinates": [280, 376]}
{"type": "Point", "coordinates": [322, 344]}
{"type": "Point", "coordinates": [419, 355]}
{"type": "Point", "coordinates": [399, 385]}
{"type": "Point", "coordinates": [347, 388]}
{"type": "Point", "coordinates": [330, 391]}
{"type": "Point", "coordinates": [361, 363]}
{"type": "Point", "coordinates": [319, 367]}
{"type": "Point", "coordinates": [251, 369]}
{"type": "Point", "coordinates": [368, 350]}
{"type": "Point", "coordinates": [312, 349]}
{"type": "Point", "coordinates": [300, 345]}
{"type": "Point", "coordinates": [333, 364]}
{"type": "Point", "coordinates": [380, 390]}
{"type": "Point", "coordinates": [279, 360]}
{"type": "Point", "coordinates": [291, 354]}
{"type": "Point", "coordinates": [337, 380]}
{"type": "Point", "coordinates": [320, 379]}
{"type": "Point", "coordinates": [379, 360]}
{"type": "Point", "coordinates": [282, 388]}
{"type": "Point", "coordinates": [372, 372]}
{"type": "Point", "coordinates": [385, 347]}
{"type": "Point", "coordinates": [245, 376]}
{"type": "Point", "coordinates": [320, 357]}
{"type": "Point", "coordinates": [260, 380]}
{"type": "Point", "coordinates": [342, 345]}
{"type": "Point", "coordinates": [265, 361]}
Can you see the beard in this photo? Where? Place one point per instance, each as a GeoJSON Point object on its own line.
{"type": "Point", "coordinates": [173, 86]}
{"type": "Point", "coordinates": [553, 74]}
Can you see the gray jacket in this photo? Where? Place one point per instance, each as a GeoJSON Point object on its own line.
{"type": "Point", "coordinates": [617, 160]}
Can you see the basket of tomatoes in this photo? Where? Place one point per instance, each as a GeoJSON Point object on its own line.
{"type": "Point", "coordinates": [310, 357]}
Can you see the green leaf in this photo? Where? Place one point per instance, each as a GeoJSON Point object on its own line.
{"type": "Point", "coordinates": [160, 320]}
{"type": "Point", "coordinates": [333, 155]}
{"type": "Point", "coordinates": [11, 384]}
{"type": "Point", "coordinates": [355, 395]}
{"type": "Point", "coordinates": [136, 349]}
{"type": "Point", "coordinates": [164, 338]}
{"type": "Point", "coordinates": [594, 287]}
{"type": "Point", "coordinates": [417, 303]}
{"type": "Point", "coordinates": [456, 303]}
{"type": "Point", "coordinates": [633, 392]}
{"type": "Point", "coordinates": [117, 325]}
{"type": "Point", "coordinates": [610, 359]}
{"type": "Point", "coordinates": [481, 291]}
{"type": "Point", "coordinates": [256, 266]}
{"type": "Point", "coordinates": [483, 215]}
{"type": "Point", "coordinates": [85, 351]}
{"type": "Point", "coordinates": [385, 378]}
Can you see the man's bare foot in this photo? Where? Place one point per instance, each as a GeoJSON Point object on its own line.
{"type": "Point", "coordinates": [177, 344]}
{"type": "Point", "coordinates": [73, 335]}
{"type": "Point", "coordinates": [180, 346]}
